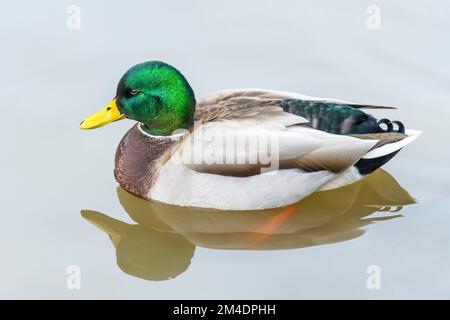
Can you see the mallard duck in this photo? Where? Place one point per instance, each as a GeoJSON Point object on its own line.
{"type": "Point", "coordinates": [162, 243]}
{"type": "Point", "coordinates": [240, 149]}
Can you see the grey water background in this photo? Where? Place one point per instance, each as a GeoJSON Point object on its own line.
{"type": "Point", "coordinates": [52, 77]}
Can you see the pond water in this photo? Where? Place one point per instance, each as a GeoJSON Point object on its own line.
{"type": "Point", "coordinates": [63, 212]}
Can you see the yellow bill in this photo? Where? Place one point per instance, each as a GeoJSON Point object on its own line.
{"type": "Point", "coordinates": [107, 115]}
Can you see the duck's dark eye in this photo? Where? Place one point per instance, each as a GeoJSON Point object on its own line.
{"type": "Point", "coordinates": [133, 92]}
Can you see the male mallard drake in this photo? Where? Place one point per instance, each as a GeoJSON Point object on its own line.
{"type": "Point", "coordinates": [241, 149]}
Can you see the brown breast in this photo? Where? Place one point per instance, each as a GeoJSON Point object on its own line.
{"type": "Point", "coordinates": [138, 159]}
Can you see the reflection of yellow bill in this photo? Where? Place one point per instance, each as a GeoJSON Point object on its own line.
{"type": "Point", "coordinates": [106, 115]}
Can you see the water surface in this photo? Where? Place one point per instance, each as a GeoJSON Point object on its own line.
{"type": "Point", "coordinates": [321, 248]}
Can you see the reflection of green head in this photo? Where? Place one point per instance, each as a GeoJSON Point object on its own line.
{"type": "Point", "coordinates": [154, 255]}
{"type": "Point", "coordinates": [142, 252]}
{"type": "Point", "coordinates": [157, 95]}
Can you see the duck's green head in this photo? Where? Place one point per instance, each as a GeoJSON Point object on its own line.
{"type": "Point", "coordinates": [153, 93]}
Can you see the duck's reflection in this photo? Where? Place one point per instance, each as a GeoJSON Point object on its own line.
{"type": "Point", "coordinates": [162, 243]}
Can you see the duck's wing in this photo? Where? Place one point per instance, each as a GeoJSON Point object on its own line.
{"type": "Point", "coordinates": [243, 147]}
{"type": "Point", "coordinates": [250, 104]}
{"type": "Point", "coordinates": [284, 117]}
{"type": "Point", "coordinates": [239, 103]}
